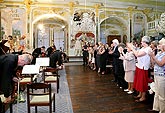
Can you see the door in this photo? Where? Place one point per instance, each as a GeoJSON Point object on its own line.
{"type": "Point", "coordinates": [111, 37]}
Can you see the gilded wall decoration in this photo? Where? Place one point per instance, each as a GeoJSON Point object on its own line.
{"type": "Point", "coordinates": [161, 24]}
{"type": "Point", "coordinates": [139, 23]}
{"type": "Point", "coordinates": [84, 24]}
{"type": "Point", "coordinates": [108, 14]}
{"type": "Point", "coordinates": [42, 10]}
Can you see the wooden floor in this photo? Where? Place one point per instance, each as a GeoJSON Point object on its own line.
{"type": "Point", "coordinates": [91, 93]}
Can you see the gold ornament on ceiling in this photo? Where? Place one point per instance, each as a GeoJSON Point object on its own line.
{"type": "Point", "coordinates": [102, 15]}
{"type": "Point", "coordinates": [147, 12]}
{"type": "Point", "coordinates": [71, 5]}
{"type": "Point", "coordinates": [40, 11]}
{"type": "Point", "coordinates": [130, 9]}
{"type": "Point", "coordinates": [28, 4]}
{"type": "Point", "coordinates": [97, 6]}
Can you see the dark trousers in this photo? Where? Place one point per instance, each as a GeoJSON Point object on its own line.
{"type": "Point", "coordinates": [85, 57]}
{"type": "Point", "coordinates": [115, 72]}
{"type": "Point", "coordinates": [121, 73]}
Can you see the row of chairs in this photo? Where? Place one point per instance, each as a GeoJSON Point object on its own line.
{"type": "Point", "coordinates": [35, 94]}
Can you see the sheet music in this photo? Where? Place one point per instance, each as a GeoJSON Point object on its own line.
{"type": "Point", "coordinates": [43, 61]}
{"type": "Point", "coordinates": [31, 69]}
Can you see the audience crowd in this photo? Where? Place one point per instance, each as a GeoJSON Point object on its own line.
{"type": "Point", "coordinates": [137, 68]}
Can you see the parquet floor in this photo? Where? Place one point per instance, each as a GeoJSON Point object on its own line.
{"type": "Point", "coordinates": [91, 93]}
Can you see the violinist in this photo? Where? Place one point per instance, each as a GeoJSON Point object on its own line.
{"type": "Point", "coordinates": [8, 66]}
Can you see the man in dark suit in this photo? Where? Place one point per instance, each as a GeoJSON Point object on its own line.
{"type": "Point", "coordinates": [115, 55]}
{"type": "Point", "coordinates": [56, 59]}
{"type": "Point", "coordinates": [8, 66]}
{"type": "Point", "coordinates": [38, 52]}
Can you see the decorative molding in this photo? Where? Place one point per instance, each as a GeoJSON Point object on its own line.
{"type": "Point", "coordinates": [71, 5]}
{"type": "Point", "coordinates": [28, 4]}
{"type": "Point", "coordinates": [97, 6]}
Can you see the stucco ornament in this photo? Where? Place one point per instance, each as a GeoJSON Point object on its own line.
{"type": "Point", "coordinates": [161, 24]}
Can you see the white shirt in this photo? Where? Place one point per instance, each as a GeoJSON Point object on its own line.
{"type": "Point", "coordinates": [143, 62]}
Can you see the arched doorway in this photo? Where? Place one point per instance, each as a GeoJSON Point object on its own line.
{"type": "Point", "coordinates": [113, 27]}
{"type": "Point", "coordinates": [48, 30]}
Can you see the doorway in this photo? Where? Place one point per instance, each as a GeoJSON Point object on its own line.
{"type": "Point", "coordinates": [112, 37]}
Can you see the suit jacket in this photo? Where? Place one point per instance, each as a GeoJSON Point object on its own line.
{"type": "Point", "coordinates": [8, 65]}
{"type": "Point", "coordinates": [55, 58]}
{"type": "Point", "coordinates": [36, 52]}
{"type": "Point", "coordinates": [116, 56]}
{"type": "Point", "coordinates": [116, 61]}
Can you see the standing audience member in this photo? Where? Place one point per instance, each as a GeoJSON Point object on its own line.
{"type": "Point", "coordinates": [93, 59]}
{"type": "Point", "coordinates": [154, 48]}
{"type": "Point", "coordinates": [159, 77]}
{"type": "Point", "coordinates": [142, 66]}
{"type": "Point", "coordinates": [115, 58]}
{"type": "Point", "coordinates": [98, 57]}
{"type": "Point", "coordinates": [129, 68]}
{"type": "Point", "coordinates": [103, 59]}
{"type": "Point", "coordinates": [121, 81]}
{"type": "Point", "coordinates": [8, 66]}
{"type": "Point", "coordinates": [95, 56]}
{"type": "Point", "coordinates": [85, 54]}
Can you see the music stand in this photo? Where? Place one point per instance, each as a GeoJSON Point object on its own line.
{"type": "Point", "coordinates": [43, 61]}
{"type": "Point", "coordinates": [30, 69]}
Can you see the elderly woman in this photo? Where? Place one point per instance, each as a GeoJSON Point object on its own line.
{"type": "Point", "coordinates": [142, 66]}
{"type": "Point", "coordinates": [159, 77]}
{"type": "Point", "coordinates": [129, 68]}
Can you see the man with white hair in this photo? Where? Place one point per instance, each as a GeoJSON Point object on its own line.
{"type": "Point", "coordinates": [8, 67]}
{"type": "Point", "coordinates": [115, 55]}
